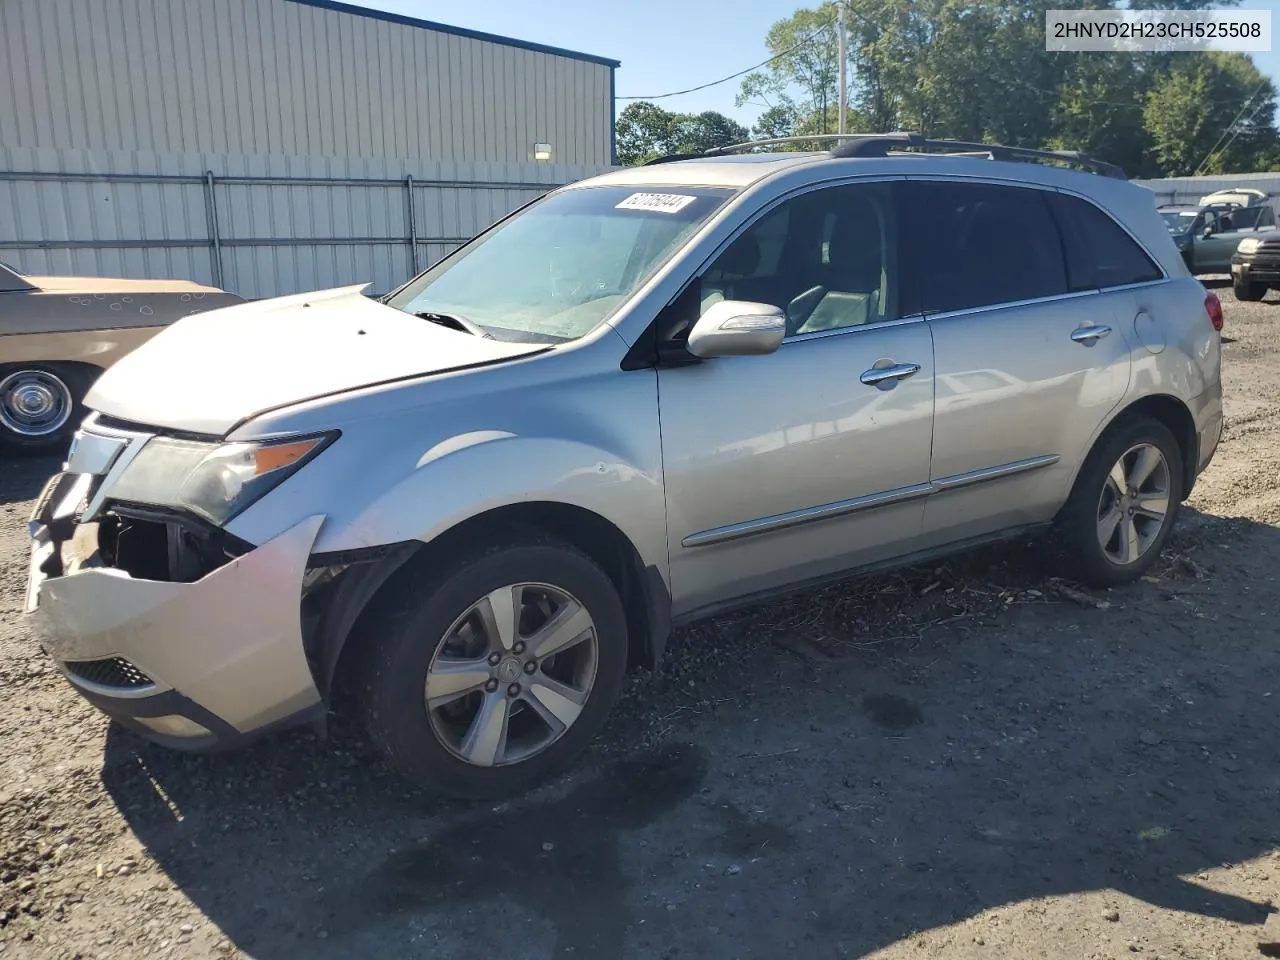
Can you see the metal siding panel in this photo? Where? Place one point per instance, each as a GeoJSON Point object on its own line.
{"type": "Point", "coordinates": [268, 77]}
{"type": "Point", "coordinates": [117, 74]}
{"type": "Point", "coordinates": [245, 82]}
{"type": "Point", "coordinates": [80, 108]}
{"type": "Point", "coordinates": [533, 121]}
{"type": "Point", "coordinates": [460, 94]}
{"type": "Point", "coordinates": [308, 215]}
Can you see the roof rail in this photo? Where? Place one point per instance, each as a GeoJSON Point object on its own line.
{"type": "Point", "coordinates": [880, 145]}
{"type": "Point", "coordinates": [751, 144]}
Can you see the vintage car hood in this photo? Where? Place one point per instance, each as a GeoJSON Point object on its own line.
{"type": "Point", "coordinates": [208, 372]}
{"type": "Point", "coordinates": [114, 285]}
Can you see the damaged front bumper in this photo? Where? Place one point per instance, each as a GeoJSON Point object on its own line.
{"type": "Point", "coordinates": [193, 665]}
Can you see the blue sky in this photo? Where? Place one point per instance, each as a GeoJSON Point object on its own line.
{"type": "Point", "coordinates": [664, 45]}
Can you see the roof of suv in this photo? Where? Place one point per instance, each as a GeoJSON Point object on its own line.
{"type": "Point", "coordinates": [742, 170]}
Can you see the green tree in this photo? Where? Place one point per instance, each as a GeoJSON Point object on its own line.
{"type": "Point", "coordinates": [1212, 113]}
{"type": "Point", "coordinates": [978, 70]}
{"type": "Point", "coordinates": [1099, 109]}
{"type": "Point", "coordinates": [806, 72]}
{"type": "Point", "coordinates": [646, 131]}
{"type": "Point", "coordinates": [697, 133]}
{"type": "Point", "coordinates": [778, 121]}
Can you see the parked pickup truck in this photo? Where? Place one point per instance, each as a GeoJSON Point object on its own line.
{"type": "Point", "coordinates": [1255, 266]}
{"type": "Point", "coordinates": [57, 334]}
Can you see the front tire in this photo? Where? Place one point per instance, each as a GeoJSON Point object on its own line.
{"type": "Point", "coordinates": [1245, 290]}
{"type": "Point", "coordinates": [1123, 506]}
{"type": "Point", "coordinates": [496, 671]}
{"type": "Point", "coordinates": [40, 404]}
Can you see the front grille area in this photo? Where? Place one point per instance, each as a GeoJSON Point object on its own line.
{"type": "Point", "coordinates": [150, 544]}
{"type": "Point", "coordinates": [111, 672]}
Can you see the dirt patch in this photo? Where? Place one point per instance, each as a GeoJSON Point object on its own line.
{"type": "Point", "coordinates": [963, 760]}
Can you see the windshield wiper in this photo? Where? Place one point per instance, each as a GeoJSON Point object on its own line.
{"type": "Point", "coordinates": [454, 321]}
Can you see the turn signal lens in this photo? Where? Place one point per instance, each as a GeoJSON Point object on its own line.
{"type": "Point", "coordinates": [267, 459]}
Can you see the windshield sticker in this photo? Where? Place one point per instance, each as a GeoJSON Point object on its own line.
{"type": "Point", "coordinates": [657, 202]}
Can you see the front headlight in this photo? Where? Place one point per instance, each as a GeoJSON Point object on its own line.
{"type": "Point", "coordinates": [1248, 245]}
{"type": "Point", "coordinates": [215, 480]}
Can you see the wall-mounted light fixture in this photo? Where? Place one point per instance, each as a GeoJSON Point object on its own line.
{"type": "Point", "coordinates": [542, 151]}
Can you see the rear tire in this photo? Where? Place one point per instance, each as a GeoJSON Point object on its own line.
{"type": "Point", "coordinates": [1124, 505]}
{"type": "Point", "coordinates": [40, 404]}
{"type": "Point", "coordinates": [466, 703]}
{"type": "Point", "coordinates": [1245, 290]}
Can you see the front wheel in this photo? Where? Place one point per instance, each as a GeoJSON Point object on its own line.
{"type": "Point", "coordinates": [498, 671]}
{"type": "Point", "coordinates": [39, 404]}
{"type": "Point", "coordinates": [1246, 290]}
{"type": "Point", "coordinates": [1123, 506]}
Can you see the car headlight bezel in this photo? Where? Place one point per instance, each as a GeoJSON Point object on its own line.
{"type": "Point", "coordinates": [215, 480]}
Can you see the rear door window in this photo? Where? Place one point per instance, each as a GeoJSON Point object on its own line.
{"type": "Point", "coordinates": [1100, 254]}
{"type": "Point", "coordinates": [978, 245]}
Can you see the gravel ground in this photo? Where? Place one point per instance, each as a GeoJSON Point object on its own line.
{"type": "Point", "coordinates": [958, 761]}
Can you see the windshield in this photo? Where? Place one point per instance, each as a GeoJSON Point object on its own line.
{"type": "Point", "coordinates": [1178, 221]}
{"type": "Point", "coordinates": [555, 271]}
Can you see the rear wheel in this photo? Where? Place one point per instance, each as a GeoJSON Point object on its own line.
{"type": "Point", "coordinates": [1123, 506]}
{"type": "Point", "coordinates": [39, 404]}
{"type": "Point", "coordinates": [498, 671]}
{"type": "Point", "coordinates": [1247, 290]}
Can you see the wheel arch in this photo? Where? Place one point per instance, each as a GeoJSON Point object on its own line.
{"type": "Point", "coordinates": [1171, 412]}
{"type": "Point", "coordinates": [356, 592]}
{"type": "Point", "coordinates": [88, 372]}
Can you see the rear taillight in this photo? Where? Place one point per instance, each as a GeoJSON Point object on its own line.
{"type": "Point", "coordinates": [1213, 307]}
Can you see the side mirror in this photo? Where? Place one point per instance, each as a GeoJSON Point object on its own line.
{"type": "Point", "coordinates": [738, 328]}
{"type": "Point", "coordinates": [1207, 232]}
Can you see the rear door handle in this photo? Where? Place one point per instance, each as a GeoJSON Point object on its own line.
{"type": "Point", "coordinates": [886, 378]}
{"type": "Point", "coordinates": [1089, 335]}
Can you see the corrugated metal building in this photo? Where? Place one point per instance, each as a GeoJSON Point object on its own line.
{"type": "Point", "coordinates": [275, 145]}
{"type": "Point", "coordinates": [1177, 190]}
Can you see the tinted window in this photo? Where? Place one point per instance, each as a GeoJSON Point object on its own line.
{"type": "Point", "coordinates": [1100, 253]}
{"type": "Point", "coordinates": [826, 258]}
{"type": "Point", "coordinates": [976, 245]}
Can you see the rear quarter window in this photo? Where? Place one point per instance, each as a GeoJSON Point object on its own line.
{"type": "Point", "coordinates": [1100, 253]}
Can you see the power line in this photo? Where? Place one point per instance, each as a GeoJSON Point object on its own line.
{"type": "Point", "coordinates": [764, 63]}
{"type": "Point", "coordinates": [1230, 127]}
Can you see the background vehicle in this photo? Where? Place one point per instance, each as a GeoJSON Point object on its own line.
{"type": "Point", "coordinates": [57, 334]}
{"type": "Point", "coordinates": [1255, 266]}
{"type": "Point", "coordinates": [698, 384]}
{"type": "Point", "coordinates": [1208, 234]}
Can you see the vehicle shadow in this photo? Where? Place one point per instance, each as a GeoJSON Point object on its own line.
{"type": "Point", "coordinates": [937, 765]}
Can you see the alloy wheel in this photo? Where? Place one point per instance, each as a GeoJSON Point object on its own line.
{"type": "Point", "coordinates": [1134, 505]}
{"type": "Point", "coordinates": [511, 674]}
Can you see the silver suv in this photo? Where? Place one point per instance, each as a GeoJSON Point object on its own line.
{"type": "Point", "coordinates": [642, 399]}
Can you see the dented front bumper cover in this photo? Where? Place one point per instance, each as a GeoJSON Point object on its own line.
{"type": "Point", "coordinates": [191, 665]}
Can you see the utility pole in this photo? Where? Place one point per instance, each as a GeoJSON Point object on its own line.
{"type": "Point", "coordinates": [841, 55]}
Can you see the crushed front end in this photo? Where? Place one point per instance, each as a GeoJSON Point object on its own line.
{"type": "Point", "coordinates": [159, 617]}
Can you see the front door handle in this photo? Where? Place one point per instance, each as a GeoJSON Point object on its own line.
{"type": "Point", "coordinates": [1089, 335]}
{"type": "Point", "coordinates": [887, 377]}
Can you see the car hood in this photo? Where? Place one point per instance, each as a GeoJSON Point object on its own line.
{"type": "Point", "coordinates": [210, 371]}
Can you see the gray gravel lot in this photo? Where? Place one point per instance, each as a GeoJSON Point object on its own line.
{"type": "Point", "coordinates": [958, 761]}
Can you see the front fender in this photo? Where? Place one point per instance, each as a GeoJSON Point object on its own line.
{"type": "Point", "coordinates": [471, 474]}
